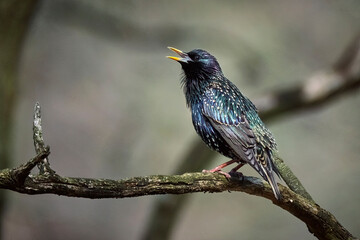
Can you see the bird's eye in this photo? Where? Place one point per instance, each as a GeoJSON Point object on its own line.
{"type": "Point", "coordinates": [196, 58]}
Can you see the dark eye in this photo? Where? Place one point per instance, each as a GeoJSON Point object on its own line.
{"type": "Point", "coordinates": [196, 58]}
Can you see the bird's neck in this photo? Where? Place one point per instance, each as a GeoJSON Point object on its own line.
{"type": "Point", "coordinates": [195, 87]}
{"type": "Point", "coordinates": [193, 92]}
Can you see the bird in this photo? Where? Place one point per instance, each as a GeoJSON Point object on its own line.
{"type": "Point", "coordinates": [226, 120]}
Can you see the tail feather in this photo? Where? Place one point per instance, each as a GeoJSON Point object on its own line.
{"type": "Point", "coordinates": [261, 161]}
{"type": "Point", "coordinates": [273, 184]}
{"type": "Point", "coordinates": [267, 169]}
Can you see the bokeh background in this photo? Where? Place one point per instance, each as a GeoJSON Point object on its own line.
{"type": "Point", "coordinates": [113, 108]}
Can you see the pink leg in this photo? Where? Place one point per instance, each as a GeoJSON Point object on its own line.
{"type": "Point", "coordinates": [221, 166]}
{"type": "Point", "coordinates": [237, 167]}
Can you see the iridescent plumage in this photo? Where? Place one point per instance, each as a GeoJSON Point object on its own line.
{"type": "Point", "coordinates": [226, 120]}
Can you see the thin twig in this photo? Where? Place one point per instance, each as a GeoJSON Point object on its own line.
{"type": "Point", "coordinates": [44, 165]}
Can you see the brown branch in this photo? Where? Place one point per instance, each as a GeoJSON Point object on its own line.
{"type": "Point", "coordinates": [319, 221]}
{"type": "Point", "coordinates": [324, 86]}
{"type": "Point", "coordinates": [20, 173]}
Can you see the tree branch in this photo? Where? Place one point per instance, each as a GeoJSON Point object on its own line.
{"type": "Point", "coordinates": [319, 221]}
{"type": "Point", "coordinates": [20, 173]}
{"type": "Point", "coordinates": [291, 179]}
{"type": "Point", "coordinates": [323, 86]}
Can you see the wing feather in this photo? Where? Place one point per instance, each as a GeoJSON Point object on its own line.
{"type": "Point", "coordinates": [251, 143]}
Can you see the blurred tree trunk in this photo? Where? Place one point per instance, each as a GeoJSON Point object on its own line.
{"type": "Point", "coordinates": [15, 18]}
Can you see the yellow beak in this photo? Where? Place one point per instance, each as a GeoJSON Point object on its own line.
{"type": "Point", "coordinates": [183, 56]}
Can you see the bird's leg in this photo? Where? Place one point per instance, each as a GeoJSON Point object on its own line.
{"type": "Point", "coordinates": [235, 173]}
{"type": "Point", "coordinates": [237, 167]}
{"type": "Point", "coordinates": [221, 166]}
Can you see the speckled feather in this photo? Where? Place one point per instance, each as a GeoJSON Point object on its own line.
{"type": "Point", "coordinates": [226, 120]}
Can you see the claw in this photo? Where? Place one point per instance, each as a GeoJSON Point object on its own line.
{"type": "Point", "coordinates": [237, 175]}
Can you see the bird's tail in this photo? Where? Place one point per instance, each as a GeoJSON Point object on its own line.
{"type": "Point", "coordinates": [266, 169]}
{"type": "Point", "coordinates": [269, 171]}
{"type": "Point", "coordinates": [271, 180]}
{"type": "Point", "coordinates": [262, 162]}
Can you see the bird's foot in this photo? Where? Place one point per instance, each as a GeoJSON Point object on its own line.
{"type": "Point", "coordinates": [237, 175]}
{"type": "Point", "coordinates": [221, 166]}
{"type": "Point", "coordinates": [227, 175]}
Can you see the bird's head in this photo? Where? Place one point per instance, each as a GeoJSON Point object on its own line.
{"type": "Point", "coordinates": [196, 63]}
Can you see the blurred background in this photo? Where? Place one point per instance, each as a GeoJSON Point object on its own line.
{"type": "Point", "coordinates": [113, 107]}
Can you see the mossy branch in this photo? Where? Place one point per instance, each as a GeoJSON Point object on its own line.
{"type": "Point", "coordinates": [319, 221]}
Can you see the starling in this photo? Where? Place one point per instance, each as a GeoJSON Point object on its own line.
{"type": "Point", "coordinates": [226, 120]}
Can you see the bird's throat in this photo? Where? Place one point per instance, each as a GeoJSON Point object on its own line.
{"type": "Point", "coordinates": [194, 89]}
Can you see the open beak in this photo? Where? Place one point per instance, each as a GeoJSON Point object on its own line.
{"type": "Point", "coordinates": [183, 56]}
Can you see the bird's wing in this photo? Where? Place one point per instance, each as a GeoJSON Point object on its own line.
{"type": "Point", "coordinates": [225, 113]}
{"type": "Point", "coordinates": [226, 117]}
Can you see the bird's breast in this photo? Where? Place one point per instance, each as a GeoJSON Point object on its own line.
{"type": "Point", "coordinates": [208, 133]}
